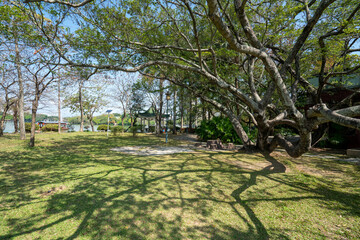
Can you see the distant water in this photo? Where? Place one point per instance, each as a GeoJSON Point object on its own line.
{"type": "Point", "coordinates": [76, 127]}
{"type": "Point", "coordinates": [9, 127]}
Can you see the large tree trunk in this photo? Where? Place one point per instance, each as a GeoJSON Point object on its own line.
{"type": "Point", "coordinates": [21, 91]}
{"type": "Point", "coordinates": [294, 149]}
{"type": "Point", "coordinates": [263, 134]}
{"type": "Point", "coordinates": [33, 120]}
{"type": "Point", "coordinates": [92, 123]}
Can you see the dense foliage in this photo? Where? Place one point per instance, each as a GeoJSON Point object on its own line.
{"type": "Point", "coordinates": [102, 127]}
{"type": "Point", "coordinates": [116, 129]}
{"type": "Point", "coordinates": [50, 128]}
{"type": "Point", "coordinates": [220, 127]}
{"type": "Point", "coordinates": [28, 127]}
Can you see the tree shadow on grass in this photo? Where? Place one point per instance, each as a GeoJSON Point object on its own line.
{"type": "Point", "coordinates": [174, 197]}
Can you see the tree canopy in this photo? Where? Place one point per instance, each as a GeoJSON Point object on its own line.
{"type": "Point", "coordinates": [253, 55]}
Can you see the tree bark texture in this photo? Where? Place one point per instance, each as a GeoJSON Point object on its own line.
{"type": "Point", "coordinates": [21, 91]}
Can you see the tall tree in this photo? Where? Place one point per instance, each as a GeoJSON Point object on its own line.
{"type": "Point", "coordinates": [271, 47]}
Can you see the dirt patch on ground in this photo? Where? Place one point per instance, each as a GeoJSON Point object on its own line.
{"type": "Point", "coordinates": [150, 151]}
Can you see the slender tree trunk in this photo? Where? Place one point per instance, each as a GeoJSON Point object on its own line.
{"type": "Point", "coordinates": [190, 114]}
{"type": "Point", "coordinates": [122, 121]}
{"type": "Point", "coordinates": [158, 130]}
{"type": "Point", "coordinates": [15, 117]}
{"type": "Point", "coordinates": [21, 91]}
{"type": "Point", "coordinates": [59, 106]}
{"type": "Point", "coordinates": [237, 86]}
{"type": "Point", "coordinates": [81, 107]}
{"type": "Point", "coordinates": [33, 119]}
{"type": "Point", "coordinates": [174, 112]}
{"type": "Point", "coordinates": [161, 103]}
{"type": "Point", "coordinates": [181, 108]}
{"type": "Point", "coordinates": [131, 118]}
{"type": "Point", "coordinates": [182, 115]}
{"type": "Point", "coordinates": [203, 110]}
{"type": "Point", "coordinates": [195, 114]}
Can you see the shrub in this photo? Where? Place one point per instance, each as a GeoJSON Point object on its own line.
{"type": "Point", "coordinates": [50, 127]}
{"type": "Point", "coordinates": [135, 129]}
{"type": "Point", "coordinates": [102, 127]}
{"type": "Point", "coordinates": [221, 127]}
{"type": "Point", "coordinates": [151, 128]}
{"type": "Point", "coordinates": [116, 129]}
{"type": "Point", "coordinates": [28, 127]}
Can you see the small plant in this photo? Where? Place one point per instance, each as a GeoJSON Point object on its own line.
{"type": "Point", "coordinates": [28, 127]}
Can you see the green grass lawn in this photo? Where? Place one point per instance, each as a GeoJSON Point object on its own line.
{"type": "Point", "coordinates": [71, 186]}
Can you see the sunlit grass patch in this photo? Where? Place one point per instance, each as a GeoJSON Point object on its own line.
{"type": "Point", "coordinates": [72, 186]}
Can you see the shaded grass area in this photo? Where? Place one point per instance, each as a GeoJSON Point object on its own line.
{"type": "Point", "coordinates": [71, 186]}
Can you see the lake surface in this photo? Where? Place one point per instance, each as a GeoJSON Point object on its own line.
{"type": "Point", "coordinates": [9, 127]}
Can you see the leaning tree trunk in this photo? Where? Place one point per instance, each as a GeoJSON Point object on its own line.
{"type": "Point", "coordinates": [239, 130]}
{"type": "Point", "coordinates": [2, 120]}
{"type": "Point", "coordinates": [92, 124]}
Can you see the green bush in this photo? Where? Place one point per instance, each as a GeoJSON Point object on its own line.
{"type": "Point", "coordinates": [28, 127]}
{"type": "Point", "coordinates": [135, 129]}
{"type": "Point", "coordinates": [221, 127]}
{"type": "Point", "coordinates": [151, 128]}
{"type": "Point", "coordinates": [116, 129]}
{"type": "Point", "coordinates": [49, 128]}
{"type": "Point", "coordinates": [102, 127]}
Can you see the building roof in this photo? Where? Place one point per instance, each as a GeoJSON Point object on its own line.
{"type": "Point", "coordinates": [151, 113]}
